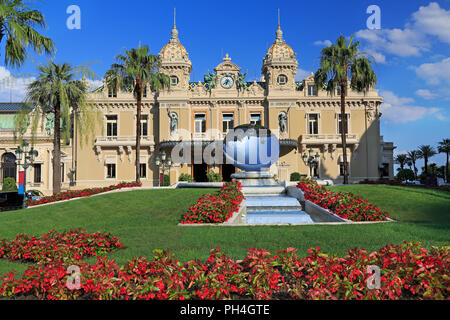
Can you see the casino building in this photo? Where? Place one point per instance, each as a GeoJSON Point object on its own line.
{"type": "Point", "coordinates": [303, 117]}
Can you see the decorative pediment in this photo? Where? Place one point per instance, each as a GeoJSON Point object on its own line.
{"type": "Point", "coordinates": [255, 89]}
{"type": "Point", "coordinates": [227, 65]}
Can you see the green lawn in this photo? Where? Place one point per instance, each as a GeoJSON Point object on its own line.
{"type": "Point", "coordinates": [147, 219]}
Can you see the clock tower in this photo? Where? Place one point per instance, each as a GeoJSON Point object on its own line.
{"type": "Point", "coordinates": [227, 74]}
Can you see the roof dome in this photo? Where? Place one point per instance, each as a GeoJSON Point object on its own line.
{"type": "Point", "coordinates": [279, 49]}
{"type": "Point", "coordinates": [174, 51]}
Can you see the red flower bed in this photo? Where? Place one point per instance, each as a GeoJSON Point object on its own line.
{"type": "Point", "coordinates": [408, 271]}
{"type": "Point", "coordinates": [215, 208]}
{"type": "Point", "coordinates": [81, 193]}
{"type": "Point", "coordinates": [345, 205]}
{"type": "Point", "coordinates": [54, 246]}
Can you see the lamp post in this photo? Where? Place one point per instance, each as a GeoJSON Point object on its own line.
{"type": "Point", "coordinates": [163, 163]}
{"type": "Point", "coordinates": [27, 155]}
{"type": "Point", "coordinates": [311, 160]}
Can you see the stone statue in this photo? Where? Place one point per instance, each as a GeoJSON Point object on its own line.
{"type": "Point", "coordinates": [282, 120]}
{"type": "Point", "coordinates": [50, 123]}
{"type": "Point", "coordinates": [241, 83]}
{"type": "Point", "coordinates": [173, 121]}
{"type": "Point", "coordinates": [210, 80]}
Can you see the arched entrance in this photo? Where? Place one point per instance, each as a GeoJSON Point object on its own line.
{"type": "Point", "coordinates": [9, 166]}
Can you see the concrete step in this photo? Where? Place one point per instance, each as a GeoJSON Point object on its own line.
{"type": "Point", "coordinates": [278, 217]}
{"type": "Point", "coordinates": [263, 190]}
{"type": "Point", "coordinates": [272, 202]}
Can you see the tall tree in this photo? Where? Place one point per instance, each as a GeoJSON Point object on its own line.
{"type": "Point", "coordinates": [17, 25]}
{"type": "Point", "coordinates": [444, 147]}
{"type": "Point", "coordinates": [426, 152]}
{"type": "Point", "coordinates": [340, 63]}
{"type": "Point", "coordinates": [132, 71]}
{"type": "Point", "coordinates": [56, 91]}
{"type": "Point", "coordinates": [401, 159]}
{"type": "Point", "coordinates": [413, 156]}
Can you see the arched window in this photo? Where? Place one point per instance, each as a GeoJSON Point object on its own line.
{"type": "Point", "coordinates": [9, 166]}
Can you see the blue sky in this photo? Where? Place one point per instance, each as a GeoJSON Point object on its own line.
{"type": "Point", "coordinates": [412, 48]}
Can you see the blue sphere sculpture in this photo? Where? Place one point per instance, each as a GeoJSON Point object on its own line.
{"type": "Point", "coordinates": [251, 148]}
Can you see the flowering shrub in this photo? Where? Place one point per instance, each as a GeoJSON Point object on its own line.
{"type": "Point", "coordinates": [408, 271]}
{"type": "Point", "coordinates": [54, 246]}
{"type": "Point", "coordinates": [216, 208]}
{"type": "Point", "coordinates": [81, 193]}
{"type": "Point", "coordinates": [345, 205]}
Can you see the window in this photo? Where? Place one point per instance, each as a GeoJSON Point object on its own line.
{"type": "Point", "coordinates": [200, 123]}
{"type": "Point", "coordinates": [143, 170]}
{"type": "Point", "coordinates": [37, 173]}
{"type": "Point", "coordinates": [255, 119]}
{"type": "Point", "coordinates": [174, 81]}
{"type": "Point", "coordinates": [227, 122]}
{"type": "Point", "coordinates": [313, 124]}
{"type": "Point", "coordinates": [340, 123]}
{"type": "Point", "coordinates": [9, 166]}
{"type": "Point", "coordinates": [312, 90]}
{"type": "Point", "coordinates": [144, 91]}
{"type": "Point", "coordinates": [144, 126]}
{"type": "Point", "coordinates": [282, 79]}
{"type": "Point", "coordinates": [111, 126]}
{"type": "Point", "coordinates": [112, 92]}
{"type": "Point", "coordinates": [111, 171]}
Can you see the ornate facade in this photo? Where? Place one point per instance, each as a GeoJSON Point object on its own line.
{"type": "Point", "coordinates": [303, 117]}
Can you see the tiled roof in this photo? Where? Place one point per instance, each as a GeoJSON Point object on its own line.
{"type": "Point", "coordinates": [11, 106]}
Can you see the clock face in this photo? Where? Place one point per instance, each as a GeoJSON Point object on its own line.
{"type": "Point", "coordinates": [227, 82]}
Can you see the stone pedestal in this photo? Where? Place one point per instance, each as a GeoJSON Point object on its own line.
{"type": "Point", "coordinates": [255, 178]}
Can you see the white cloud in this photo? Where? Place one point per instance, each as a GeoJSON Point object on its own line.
{"type": "Point", "coordinates": [401, 110]}
{"type": "Point", "coordinates": [434, 73]}
{"type": "Point", "coordinates": [94, 84]}
{"type": "Point", "coordinates": [433, 20]}
{"type": "Point", "coordinates": [426, 94]}
{"type": "Point", "coordinates": [302, 74]}
{"type": "Point", "coordinates": [13, 87]}
{"type": "Point", "coordinates": [415, 38]}
{"type": "Point", "coordinates": [324, 43]}
{"type": "Point", "coordinates": [377, 56]}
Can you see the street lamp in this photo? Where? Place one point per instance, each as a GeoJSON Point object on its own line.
{"type": "Point", "coordinates": [163, 163]}
{"type": "Point", "coordinates": [311, 160]}
{"type": "Point", "coordinates": [27, 155]}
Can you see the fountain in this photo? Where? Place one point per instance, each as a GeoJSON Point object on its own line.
{"type": "Point", "coordinates": [253, 149]}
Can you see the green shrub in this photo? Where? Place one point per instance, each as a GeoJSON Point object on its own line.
{"type": "Point", "coordinates": [405, 174]}
{"type": "Point", "coordinates": [185, 177]}
{"type": "Point", "coordinates": [9, 184]}
{"type": "Point", "coordinates": [214, 177]}
{"type": "Point", "coordinates": [295, 176]}
{"type": "Point", "coordinates": [166, 181]}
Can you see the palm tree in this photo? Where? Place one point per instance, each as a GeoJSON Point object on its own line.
{"type": "Point", "coordinates": [401, 159]}
{"type": "Point", "coordinates": [444, 147]}
{"type": "Point", "coordinates": [134, 70]}
{"type": "Point", "coordinates": [340, 63]}
{"type": "Point", "coordinates": [17, 23]}
{"type": "Point", "coordinates": [55, 91]}
{"type": "Point", "coordinates": [426, 152]}
{"type": "Point", "coordinates": [413, 156]}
